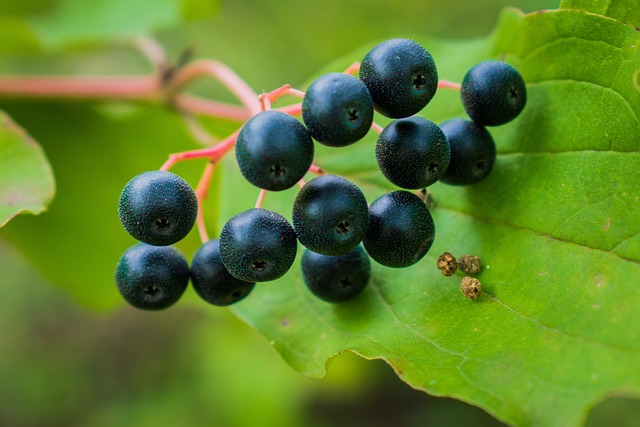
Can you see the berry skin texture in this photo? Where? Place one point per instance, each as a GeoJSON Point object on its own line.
{"type": "Point", "coordinates": [158, 208]}
{"type": "Point", "coordinates": [473, 152]}
{"type": "Point", "coordinates": [401, 230]}
{"type": "Point", "coordinates": [336, 278]}
{"type": "Point", "coordinates": [330, 215]}
{"type": "Point", "coordinates": [152, 277]}
{"type": "Point", "coordinates": [211, 280]}
{"type": "Point", "coordinates": [337, 109]}
{"type": "Point", "coordinates": [412, 153]}
{"type": "Point", "coordinates": [274, 150]}
{"type": "Point", "coordinates": [493, 93]}
{"type": "Point", "coordinates": [258, 245]}
{"type": "Point", "coordinates": [401, 77]}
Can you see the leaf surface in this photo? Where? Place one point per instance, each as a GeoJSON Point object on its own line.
{"type": "Point", "coordinates": [26, 179]}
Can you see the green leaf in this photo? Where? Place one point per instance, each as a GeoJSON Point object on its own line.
{"type": "Point", "coordinates": [26, 180]}
{"type": "Point", "coordinates": [79, 20]}
{"type": "Point", "coordinates": [622, 10]}
{"type": "Point", "coordinates": [17, 37]}
{"type": "Point", "coordinates": [557, 225]}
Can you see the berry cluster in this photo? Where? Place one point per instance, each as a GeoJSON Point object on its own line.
{"type": "Point", "coordinates": [330, 216]}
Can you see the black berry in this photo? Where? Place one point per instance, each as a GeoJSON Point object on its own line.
{"type": "Point", "coordinates": [493, 93]}
{"type": "Point", "coordinates": [401, 77]}
{"type": "Point", "coordinates": [152, 277]}
{"type": "Point", "coordinates": [274, 150]}
{"type": "Point", "coordinates": [412, 153]}
{"type": "Point", "coordinates": [473, 152]}
{"type": "Point", "coordinates": [330, 215]}
{"type": "Point", "coordinates": [401, 229]}
{"type": "Point", "coordinates": [211, 280]}
{"type": "Point", "coordinates": [258, 245]}
{"type": "Point", "coordinates": [336, 278]}
{"type": "Point", "coordinates": [337, 109]}
{"type": "Point", "coordinates": [158, 208]}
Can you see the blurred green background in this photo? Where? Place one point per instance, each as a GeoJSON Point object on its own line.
{"type": "Point", "coordinates": [197, 365]}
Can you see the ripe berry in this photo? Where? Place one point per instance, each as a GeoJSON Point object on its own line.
{"type": "Point", "coordinates": [158, 208]}
{"type": "Point", "coordinates": [152, 277]}
{"type": "Point", "coordinates": [258, 245]}
{"type": "Point", "coordinates": [493, 93]}
{"type": "Point", "coordinates": [330, 215]}
{"type": "Point", "coordinates": [412, 153]}
{"type": "Point", "coordinates": [274, 150]}
{"type": "Point", "coordinates": [401, 230]}
{"type": "Point", "coordinates": [336, 278]}
{"type": "Point", "coordinates": [337, 109]}
{"type": "Point", "coordinates": [401, 77]}
{"type": "Point", "coordinates": [212, 281]}
{"type": "Point", "coordinates": [473, 152]}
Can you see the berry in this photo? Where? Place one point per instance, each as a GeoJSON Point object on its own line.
{"type": "Point", "coordinates": [401, 230]}
{"type": "Point", "coordinates": [158, 208]}
{"type": "Point", "coordinates": [473, 152]}
{"type": "Point", "coordinates": [336, 278]}
{"type": "Point", "coordinates": [337, 109]}
{"type": "Point", "coordinates": [152, 277]}
{"type": "Point", "coordinates": [412, 153]}
{"type": "Point", "coordinates": [212, 281]}
{"type": "Point", "coordinates": [401, 77]}
{"type": "Point", "coordinates": [274, 150]}
{"type": "Point", "coordinates": [258, 245]}
{"type": "Point", "coordinates": [330, 215]}
{"type": "Point", "coordinates": [493, 93]}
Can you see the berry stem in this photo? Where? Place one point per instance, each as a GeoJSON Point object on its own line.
{"type": "Point", "coordinates": [202, 191]}
{"type": "Point", "coordinates": [140, 88]}
{"type": "Point", "coordinates": [316, 170]}
{"type": "Point", "coordinates": [154, 52]}
{"type": "Point", "coordinates": [220, 72]}
{"type": "Point", "coordinates": [214, 154]}
{"type": "Point", "coordinates": [261, 196]}
{"type": "Point", "coordinates": [445, 84]}
{"type": "Point", "coordinates": [271, 97]}
{"type": "Point", "coordinates": [206, 107]}
{"type": "Point", "coordinates": [376, 127]}
{"type": "Point", "coordinates": [353, 68]}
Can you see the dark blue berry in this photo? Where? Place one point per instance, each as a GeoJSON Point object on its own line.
{"type": "Point", "coordinates": [337, 109]}
{"type": "Point", "coordinates": [412, 153]}
{"type": "Point", "coordinates": [473, 152]}
{"type": "Point", "coordinates": [330, 215]}
{"type": "Point", "coordinates": [211, 280]}
{"type": "Point", "coordinates": [493, 93]}
{"type": "Point", "coordinates": [401, 230]}
{"type": "Point", "coordinates": [258, 245]}
{"type": "Point", "coordinates": [401, 77]}
{"type": "Point", "coordinates": [274, 150]}
{"type": "Point", "coordinates": [152, 277]}
{"type": "Point", "coordinates": [158, 208]}
{"type": "Point", "coordinates": [336, 278]}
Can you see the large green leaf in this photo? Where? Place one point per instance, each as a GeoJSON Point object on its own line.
{"type": "Point", "coordinates": [26, 179]}
{"type": "Point", "coordinates": [556, 224]}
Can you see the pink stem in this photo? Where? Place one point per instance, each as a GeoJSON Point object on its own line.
{"type": "Point", "coordinates": [301, 183]}
{"type": "Point", "coordinates": [352, 69]}
{"type": "Point", "coordinates": [267, 98]}
{"type": "Point", "coordinates": [316, 170]}
{"type": "Point", "coordinates": [197, 105]}
{"type": "Point", "coordinates": [294, 110]}
{"type": "Point", "coordinates": [445, 84]}
{"type": "Point", "coordinates": [143, 88]}
{"type": "Point", "coordinates": [202, 191]}
{"type": "Point", "coordinates": [376, 127]}
{"type": "Point", "coordinates": [214, 154]}
{"type": "Point", "coordinates": [222, 73]}
{"type": "Point", "coordinates": [261, 196]}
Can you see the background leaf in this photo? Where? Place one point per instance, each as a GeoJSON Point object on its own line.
{"type": "Point", "coordinates": [26, 179]}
